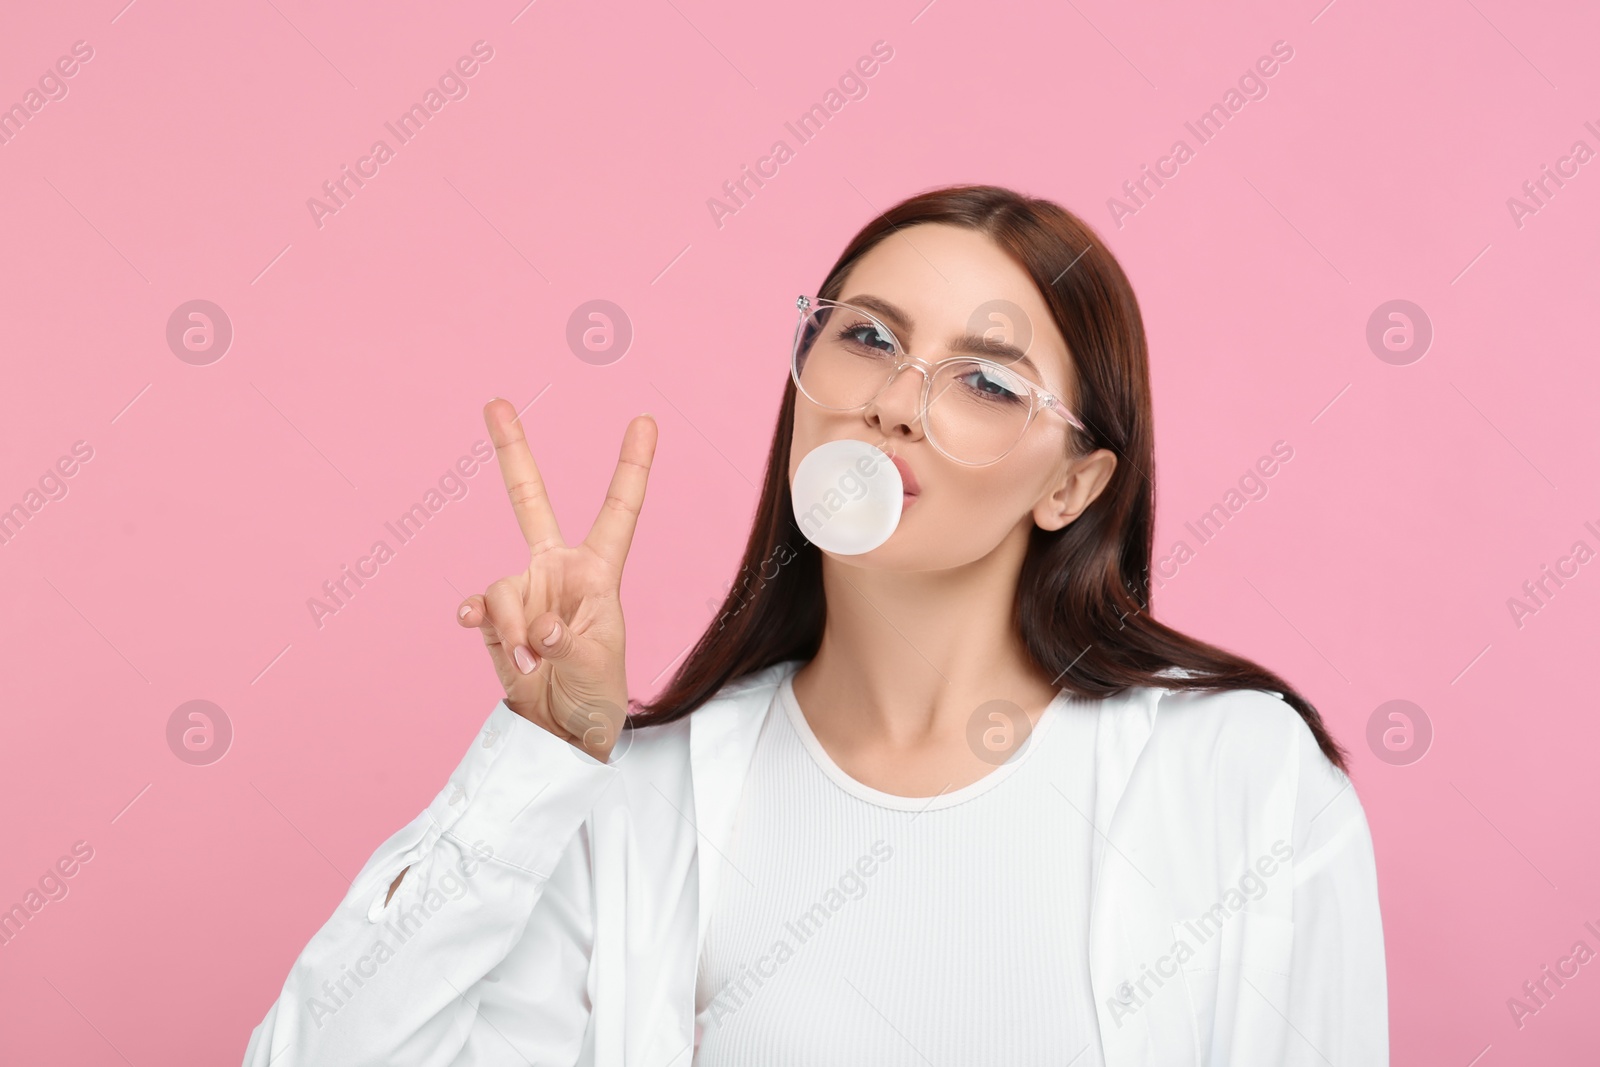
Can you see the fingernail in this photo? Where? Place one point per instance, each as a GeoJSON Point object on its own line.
{"type": "Point", "coordinates": [555, 632]}
{"type": "Point", "coordinates": [463, 612]}
{"type": "Point", "coordinates": [524, 658]}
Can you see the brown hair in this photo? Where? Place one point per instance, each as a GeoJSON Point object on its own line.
{"type": "Point", "coordinates": [1083, 599]}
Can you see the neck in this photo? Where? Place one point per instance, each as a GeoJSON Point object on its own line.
{"type": "Point", "coordinates": [908, 657]}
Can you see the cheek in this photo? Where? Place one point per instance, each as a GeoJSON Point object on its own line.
{"type": "Point", "coordinates": [803, 439]}
{"type": "Point", "coordinates": [990, 500]}
{"type": "Point", "coordinates": [812, 428]}
{"type": "Point", "coordinates": [966, 515]}
{"type": "Point", "coordinates": [996, 500]}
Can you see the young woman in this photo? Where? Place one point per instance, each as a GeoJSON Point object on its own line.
{"type": "Point", "coordinates": [956, 799]}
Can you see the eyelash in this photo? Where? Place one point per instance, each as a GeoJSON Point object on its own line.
{"type": "Point", "coordinates": [848, 333]}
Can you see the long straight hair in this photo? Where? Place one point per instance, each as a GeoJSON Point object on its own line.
{"type": "Point", "coordinates": [1083, 598]}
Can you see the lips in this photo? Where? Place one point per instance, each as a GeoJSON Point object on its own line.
{"type": "Point", "coordinates": [909, 479]}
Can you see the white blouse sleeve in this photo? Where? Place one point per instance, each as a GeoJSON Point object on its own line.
{"type": "Point", "coordinates": [482, 955]}
{"type": "Point", "coordinates": [1338, 986]}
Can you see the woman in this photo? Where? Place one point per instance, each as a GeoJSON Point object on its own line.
{"type": "Point", "coordinates": [956, 799]}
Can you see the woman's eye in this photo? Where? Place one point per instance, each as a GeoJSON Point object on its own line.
{"type": "Point", "coordinates": [985, 383]}
{"type": "Point", "coordinates": [869, 336]}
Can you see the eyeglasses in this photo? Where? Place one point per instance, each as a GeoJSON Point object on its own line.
{"type": "Point", "coordinates": [973, 410]}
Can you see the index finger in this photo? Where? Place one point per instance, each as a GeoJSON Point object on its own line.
{"type": "Point", "coordinates": [521, 475]}
{"type": "Point", "coordinates": [612, 532]}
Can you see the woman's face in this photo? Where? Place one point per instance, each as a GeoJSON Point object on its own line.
{"type": "Point", "coordinates": [944, 282]}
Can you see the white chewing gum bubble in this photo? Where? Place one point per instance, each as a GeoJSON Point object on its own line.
{"type": "Point", "coordinates": [847, 496]}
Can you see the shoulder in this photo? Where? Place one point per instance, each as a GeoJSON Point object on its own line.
{"type": "Point", "coordinates": [1251, 746]}
{"type": "Point", "coordinates": [1237, 728]}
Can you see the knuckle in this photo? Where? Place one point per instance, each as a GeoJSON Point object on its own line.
{"type": "Point", "coordinates": [525, 493]}
{"type": "Point", "coordinates": [501, 591]}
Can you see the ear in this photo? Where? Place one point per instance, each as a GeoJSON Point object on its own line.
{"type": "Point", "coordinates": [1080, 484]}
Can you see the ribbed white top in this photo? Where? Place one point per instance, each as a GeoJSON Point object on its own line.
{"type": "Point", "coordinates": [857, 926]}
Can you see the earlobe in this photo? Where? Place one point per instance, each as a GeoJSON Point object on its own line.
{"type": "Point", "coordinates": [1087, 480]}
{"type": "Point", "coordinates": [1056, 510]}
{"type": "Point", "coordinates": [1056, 520]}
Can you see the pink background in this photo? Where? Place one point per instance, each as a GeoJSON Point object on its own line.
{"type": "Point", "coordinates": [218, 498]}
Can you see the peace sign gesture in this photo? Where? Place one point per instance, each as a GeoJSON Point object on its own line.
{"type": "Point", "coordinates": [555, 631]}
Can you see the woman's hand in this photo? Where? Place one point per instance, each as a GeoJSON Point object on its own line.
{"type": "Point", "coordinates": [575, 685]}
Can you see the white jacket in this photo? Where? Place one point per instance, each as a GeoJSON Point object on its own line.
{"type": "Point", "coordinates": [555, 906]}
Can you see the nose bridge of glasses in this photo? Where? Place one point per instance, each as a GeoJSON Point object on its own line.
{"type": "Point", "coordinates": [919, 391]}
{"type": "Point", "coordinates": [904, 359]}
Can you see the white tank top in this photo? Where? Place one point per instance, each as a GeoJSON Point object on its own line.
{"type": "Point", "coordinates": [856, 926]}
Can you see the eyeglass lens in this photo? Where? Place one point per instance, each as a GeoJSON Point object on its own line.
{"type": "Point", "coordinates": [977, 409]}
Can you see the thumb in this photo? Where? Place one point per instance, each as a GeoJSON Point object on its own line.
{"type": "Point", "coordinates": [550, 638]}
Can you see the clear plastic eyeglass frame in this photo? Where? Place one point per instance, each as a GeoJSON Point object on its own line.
{"type": "Point", "coordinates": [1041, 399]}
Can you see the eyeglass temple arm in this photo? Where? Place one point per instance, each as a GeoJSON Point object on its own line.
{"type": "Point", "coordinates": [1055, 404]}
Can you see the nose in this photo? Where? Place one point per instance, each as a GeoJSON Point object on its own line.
{"type": "Point", "coordinates": [894, 413]}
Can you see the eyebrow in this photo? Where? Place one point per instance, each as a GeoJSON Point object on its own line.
{"type": "Point", "coordinates": [970, 343]}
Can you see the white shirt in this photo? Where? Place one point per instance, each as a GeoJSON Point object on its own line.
{"type": "Point", "coordinates": [555, 907]}
{"type": "Point", "coordinates": [858, 926]}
